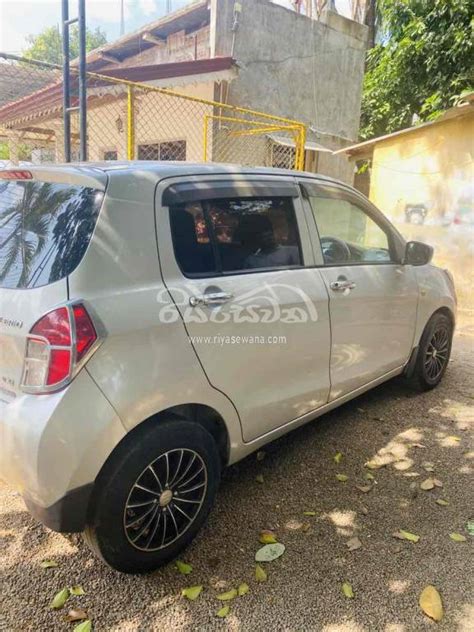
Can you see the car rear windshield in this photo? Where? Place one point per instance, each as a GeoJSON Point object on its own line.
{"type": "Point", "coordinates": [45, 228]}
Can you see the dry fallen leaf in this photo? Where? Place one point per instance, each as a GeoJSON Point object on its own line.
{"type": "Point", "coordinates": [60, 599]}
{"type": "Point", "coordinates": [227, 596]}
{"type": "Point", "coordinates": [76, 615]}
{"type": "Point", "coordinates": [364, 488]}
{"type": "Point", "coordinates": [183, 568]}
{"type": "Point", "coordinates": [260, 574]}
{"type": "Point", "coordinates": [305, 527]}
{"type": "Point", "coordinates": [453, 438]}
{"type": "Point", "coordinates": [428, 466]}
{"type": "Point", "coordinates": [309, 513]}
{"type": "Point", "coordinates": [267, 537]}
{"type": "Point", "coordinates": [259, 478]}
{"type": "Point", "coordinates": [342, 477]}
{"type": "Point", "coordinates": [437, 482]}
{"type": "Point", "coordinates": [457, 537]}
{"type": "Point", "coordinates": [270, 552]}
{"type": "Point", "coordinates": [353, 544]}
{"type": "Point", "coordinates": [369, 476]}
{"type": "Point", "coordinates": [48, 564]}
{"type": "Point", "coordinates": [223, 612]}
{"type": "Point", "coordinates": [427, 484]}
{"type": "Point", "coordinates": [243, 589]}
{"type": "Point", "coordinates": [191, 593]}
{"type": "Point", "coordinates": [406, 535]}
{"type": "Point", "coordinates": [338, 457]}
{"type": "Point", "coordinates": [442, 502]}
{"type": "Point", "coordinates": [374, 465]}
{"type": "Point", "coordinates": [347, 590]}
{"type": "Point", "coordinates": [430, 603]}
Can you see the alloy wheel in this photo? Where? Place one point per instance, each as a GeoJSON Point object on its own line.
{"type": "Point", "coordinates": [437, 351]}
{"type": "Point", "coordinates": [165, 499]}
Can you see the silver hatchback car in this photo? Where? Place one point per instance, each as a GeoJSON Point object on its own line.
{"type": "Point", "coordinates": [159, 321]}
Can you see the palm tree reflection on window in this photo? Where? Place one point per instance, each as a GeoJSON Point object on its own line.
{"type": "Point", "coordinates": [44, 230]}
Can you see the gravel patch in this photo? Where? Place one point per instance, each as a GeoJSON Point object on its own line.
{"type": "Point", "coordinates": [402, 428]}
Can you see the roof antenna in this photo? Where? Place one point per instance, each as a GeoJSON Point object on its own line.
{"type": "Point", "coordinates": [168, 6]}
{"type": "Point", "coordinates": [122, 18]}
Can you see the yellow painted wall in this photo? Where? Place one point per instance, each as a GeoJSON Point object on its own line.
{"type": "Point", "coordinates": [433, 165]}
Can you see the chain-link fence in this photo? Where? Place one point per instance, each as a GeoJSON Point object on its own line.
{"type": "Point", "coordinates": [128, 120]}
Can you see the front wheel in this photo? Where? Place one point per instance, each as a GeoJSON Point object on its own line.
{"type": "Point", "coordinates": [433, 352]}
{"type": "Point", "coordinates": [154, 496]}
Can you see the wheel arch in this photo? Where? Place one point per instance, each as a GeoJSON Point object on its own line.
{"type": "Point", "coordinates": [201, 414]}
{"type": "Point", "coordinates": [444, 309]}
{"type": "Point", "coordinates": [447, 312]}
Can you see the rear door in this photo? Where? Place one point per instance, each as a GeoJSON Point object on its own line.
{"type": "Point", "coordinates": [45, 227]}
{"type": "Point", "coordinates": [255, 314]}
{"type": "Point", "coordinates": [373, 298]}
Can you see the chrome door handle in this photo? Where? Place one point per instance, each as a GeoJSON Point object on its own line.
{"type": "Point", "coordinates": [214, 298]}
{"type": "Point", "coordinates": [340, 286]}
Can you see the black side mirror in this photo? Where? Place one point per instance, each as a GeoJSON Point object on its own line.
{"type": "Point", "coordinates": [417, 253]}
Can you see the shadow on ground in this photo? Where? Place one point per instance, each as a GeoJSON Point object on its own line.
{"type": "Point", "coordinates": [396, 427]}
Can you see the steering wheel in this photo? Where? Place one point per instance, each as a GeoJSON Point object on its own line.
{"type": "Point", "coordinates": [335, 250]}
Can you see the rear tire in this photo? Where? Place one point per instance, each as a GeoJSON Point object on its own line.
{"type": "Point", "coordinates": [153, 496]}
{"type": "Point", "coordinates": [433, 352]}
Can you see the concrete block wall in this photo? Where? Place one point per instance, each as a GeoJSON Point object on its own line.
{"type": "Point", "coordinates": [296, 67]}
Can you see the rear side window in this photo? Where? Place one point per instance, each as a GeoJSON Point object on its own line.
{"type": "Point", "coordinates": [233, 235]}
{"type": "Point", "coordinates": [45, 229]}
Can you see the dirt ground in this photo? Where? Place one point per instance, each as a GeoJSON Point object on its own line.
{"type": "Point", "coordinates": [402, 428]}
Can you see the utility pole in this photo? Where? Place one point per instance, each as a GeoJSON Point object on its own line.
{"type": "Point", "coordinates": [122, 18]}
{"type": "Point", "coordinates": [82, 81]}
{"type": "Point", "coordinates": [82, 107]}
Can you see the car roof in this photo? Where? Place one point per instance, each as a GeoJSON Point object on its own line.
{"type": "Point", "coordinates": [169, 169]}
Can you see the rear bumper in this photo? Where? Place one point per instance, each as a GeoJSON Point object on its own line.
{"type": "Point", "coordinates": [53, 446]}
{"type": "Point", "coordinates": [68, 514]}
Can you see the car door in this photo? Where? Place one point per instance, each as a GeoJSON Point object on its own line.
{"type": "Point", "coordinates": [372, 297]}
{"type": "Point", "coordinates": [233, 256]}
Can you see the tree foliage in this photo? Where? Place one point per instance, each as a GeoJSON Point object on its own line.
{"type": "Point", "coordinates": [47, 46]}
{"type": "Point", "coordinates": [425, 58]}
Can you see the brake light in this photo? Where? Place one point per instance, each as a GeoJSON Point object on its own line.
{"type": "Point", "coordinates": [85, 332]}
{"type": "Point", "coordinates": [19, 174]}
{"type": "Point", "coordinates": [57, 346]}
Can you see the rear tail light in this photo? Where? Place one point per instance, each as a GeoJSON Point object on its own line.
{"type": "Point", "coordinates": [57, 346]}
{"type": "Point", "coordinates": [18, 174]}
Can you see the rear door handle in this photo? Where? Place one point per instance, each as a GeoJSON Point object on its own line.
{"type": "Point", "coordinates": [213, 298]}
{"type": "Point", "coordinates": [340, 286]}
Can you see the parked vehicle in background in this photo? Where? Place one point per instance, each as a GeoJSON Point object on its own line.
{"type": "Point", "coordinates": [415, 213]}
{"type": "Point", "coordinates": [160, 321]}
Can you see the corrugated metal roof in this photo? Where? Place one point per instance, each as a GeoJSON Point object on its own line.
{"type": "Point", "coordinates": [364, 149]}
{"type": "Point", "coordinates": [289, 142]}
{"type": "Point", "coordinates": [189, 18]}
{"type": "Point", "coordinates": [49, 99]}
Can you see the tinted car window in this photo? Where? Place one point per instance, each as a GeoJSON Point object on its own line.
{"type": "Point", "coordinates": [45, 229]}
{"type": "Point", "coordinates": [347, 234]}
{"type": "Point", "coordinates": [235, 235]}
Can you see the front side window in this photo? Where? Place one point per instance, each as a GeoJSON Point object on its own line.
{"type": "Point", "coordinates": [347, 234]}
{"type": "Point", "coordinates": [235, 235]}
